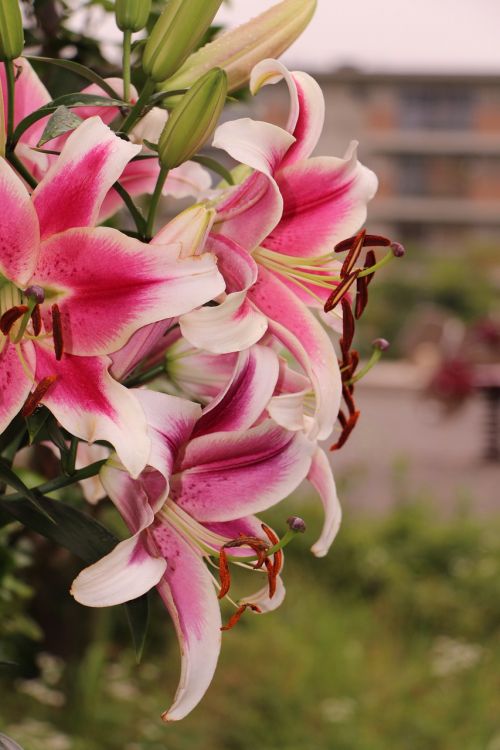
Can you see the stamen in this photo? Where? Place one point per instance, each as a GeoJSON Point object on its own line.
{"type": "Point", "coordinates": [348, 326]}
{"type": "Point", "coordinates": [10, 317]}
{"type": "Point", "coordinates": [273, 568]}
{"type": "Point", "coordinates": [361, 296]}
{"type": "Point", "coordinates": [237, 615]}
{"type": "Point", "coordinates": [258, 545]}
{"type": "Point", "coordinates": [349, 427]}
{"type": "Point", "coordinates": [34, 398]}
{"type": "Point", "coordinates": [370, 240]}
{"type": "Point", "coordinates": [225, 576]}
{"type": "Point", "coordinates": [353, 254]}
{"type": "Point", "coordinates": [36, 319]}
{"type": "Point", "coordinates": [341, 290]}
{"type": "Point", "coordinates": [370, 260]}
{"type": "Point", "coordinates": [57, 332]}
{"type": "Point", "coordinates": [346, 393]}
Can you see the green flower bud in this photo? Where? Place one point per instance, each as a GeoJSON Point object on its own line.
{"type": "Point", "coordinates": [176, 33]}
{"type": "Point", "coordinates": [132, 15]}
{"type": "Point", "coordinates": [11, 30]}
{"type": "Point", "coordinates": [239, 49]}
{"type": "Point", "coordinates": [193, 119]}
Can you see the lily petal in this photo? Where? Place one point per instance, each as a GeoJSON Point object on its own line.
{"type": "Point", "coordinates": [188, 593]}
{"type": "Point", "coordinates": [90, 404]}
{"type": "Point", "coordinates": [190, 228]}
{"type": "Point", "coordinates": [124, 574]}
{"type": "Point", "coordinates": [321, 477]}
{"type": "Point", "coordinates": [31, 94]}
{"type": "Point", "coordinates": [15, 380]}
{"type": "Point", "coordinates": [148, 341]}
{"type": "Point", "coordinates": [19, 231]}
{"type": "Point", "coordinates": [98, 314]}
{"type": "Point", "coordinates": [225, 475]}
{"type": "Point", "coordinates": [307, 106]}
{"type": "Point", "coordinates": [72, 191]}
{"type": "Point", "coordinates": [258, 144]}
{"type": "Point", "coordinates": [297, 328]}
{"type": "Point", "coordinates": [325, 199]}
{"type": "Point", "coordinates": [246, 395]}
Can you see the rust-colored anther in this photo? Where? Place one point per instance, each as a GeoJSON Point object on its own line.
{"type": "Point", "coordinates": [346, 393]}
{"type": "Point", "coordinates": [370, 261]}
{"type": "Point", "coordinates": [257, 545]}
{"type": "Point", "coordinates": [57, 333]}
{"type": "Point", "coordinates": [353, 254]}
{"type": "Point", "coordinates": [340, 290]}
{"type": "Point", "coordinates": [342, 418]}
{"type": "Point", "coordinates": [36, 319]}
{"type": "Point", "coordinates": [225, 576]}
{"type": "Point", "coordinates": [370, 240]}
{"type": "Point", "coordinates": [361, 297]}
{"type": "Point", "coordinates": [10, 317]}
{"type": "Point", "coordinates": [351, 424]}
{"type": "Point", "coordinates": [237, 615]}
{"type": "Point", "coordinates": [34, 398]}
{"type": "Point", "coordinates": [274, 567]}
{"type": "Point", "coordinates": [354, 361]}
{"type": "Point", "coordinates": [348, 325]}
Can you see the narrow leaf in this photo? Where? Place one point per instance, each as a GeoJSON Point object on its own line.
{"type": "Point", "coordinates": [10, 477]}
{"type": "Point", "coordinates": [78, 69]}
{"type": "Point", "coordinates": [215, 166]}
{"type": "Point", "coordinates": [36, 422]}
{"type": "Point", "coordinates": [86, 538]}
{"type": "Point", "coordinates": [62, 121]}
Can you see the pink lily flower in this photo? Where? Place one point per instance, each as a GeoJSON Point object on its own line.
{"type": "Point", "coordinates": [283, 221]}
{"type": "Point", "coordinates": [87, 290]}
{"type": "Point", "coordinates": [138, 177]}
{"type": "Point", "coordinates": [206, 477]}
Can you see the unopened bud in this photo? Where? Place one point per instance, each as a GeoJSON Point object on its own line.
{"type": "Point", "coordinates": [296, 524]}
{"type": "Point", "coordinates": [177, 32]}
{"type": "Point", "coordinates": [193, 119]}
{"type": "Point", "coordinates": [35, 292]}
{"type": "Point", "coordinates": [397, 249]}
{"type": "Point", "coordinates": [381, 344]}
{"type": "Point", "coordinates": [11, 30]}
{"type": "Point", "coordinates": [239, 49]}
{"type": "Point", "coordinates": [132, 15]}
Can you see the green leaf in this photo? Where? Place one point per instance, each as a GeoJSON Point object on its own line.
{"type": "Point", "coordinates": [79, 70]}
{"type": "Point", "coordinates": [215, 166]}
{"type": "Point", "coordinates": [36, 422]}
{"type": "Point", "coordinates": [62, 121]}
{"type": "Point", "coordinates": [84, 537]}
{"type": "Point", "coordinates": [152, 146]}
{"type": "Point", "coordinates": [67, 100]}
{"type": "Point", "coordinates": [10, 477]}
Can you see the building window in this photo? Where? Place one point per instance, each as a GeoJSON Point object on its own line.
{"type": "Point", "coordinates": [433, 176]}
{"type": "Point", "coordinates": [436, 108]}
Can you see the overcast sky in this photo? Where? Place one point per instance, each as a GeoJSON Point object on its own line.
{"type": "Point", "coordinates": [416, 35]}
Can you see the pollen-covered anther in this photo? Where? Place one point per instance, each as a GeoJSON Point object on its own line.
{"type": "Point", "coordinates": [361, 296]}
{"type": "Point", "coordinates": [274, 567]}
{"type": "Point", "coordinates": [346, 431]}
{"type": "Point", "coordinates": [369, 240]}
{"type": "Point", "coordinates": [353, 254]}
{"type": "Point", "coordinates": [257, 545]}
{"type": "Point", "coordinates": [10, 317]}
{"type": "Point", "coordinates": [237, 615]}
{"type": "Point", "coordinates": [348, 325]}
{"type": "Point", "coordinates": [35, 398]}
{"type": "Point", "coordinates": [341, 290]}
{"type": "Point", "coordinates": [57, 333]}
{"type": "Point", "coordinates": [36, 319]}
{"type": "Point", "coordinates": [225, 576]}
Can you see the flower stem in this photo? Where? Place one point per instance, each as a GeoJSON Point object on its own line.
{"type": "Point", "coordinates": [154, 202]}
{"type": "Point", "coordinates": [19, 167]}
{"type": "Point", "coordinates": [56, 484]}
{"type": "Point", "coordinates": [11, 89]}
{"type": "Point", "coordinates": [138, 107]}
{"type": "Point", "coordinates": [138, 218]}
{"type": "Point", "coordinates": [127, 40]}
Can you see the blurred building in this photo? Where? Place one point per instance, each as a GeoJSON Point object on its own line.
{"type": "Point", "coordinates": [433, 140]}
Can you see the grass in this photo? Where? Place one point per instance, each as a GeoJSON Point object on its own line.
{"type": "Point", "coordinates": [393, 641]}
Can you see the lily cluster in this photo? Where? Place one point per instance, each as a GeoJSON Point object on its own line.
{"type": "Point", "coordinates": [200, 363]}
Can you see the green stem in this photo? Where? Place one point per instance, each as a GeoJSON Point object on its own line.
{"type": "Point", "coordinates": [127, 41]}
{"type": "Point", "coordinates": [138, 107]}
{"type": "Point", "coordinates": [138, 218]}
{"type": "Point", "coordinates": [11, 88]}
{"type": "Point", "coordinates": [376, 354]}
{"type": "Point", "coordinates": [155, 198]}
{"type": "Point", "coordinates": [70, 460]}
{"type": "Point", "coordinates": [19, 167]}
{"type": "Point", "coordinates": [56, 484]}
{"type": "Point", "coordinates": [145, 377]}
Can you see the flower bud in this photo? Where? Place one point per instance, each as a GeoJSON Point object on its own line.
{"type": "Point", "coordinates": [132, 15]}
{"type": "Point", "coordinates": [193, 119]}
{"type": "Point", "coordinates": [176, 33]}
{"type": "Point", "coordinates": [11, 30]}
{"type": "Point", "coordinates": [239, 49]}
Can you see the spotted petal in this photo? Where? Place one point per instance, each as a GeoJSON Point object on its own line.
{"type": "Point", "coordinates": [15, 380]}
{"type": "Point", "coordinates": [19, 230]}
{"type": "Point", "coordinates": [108, 285]}
{"type": "Point", "coordinates": [72, 191]}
